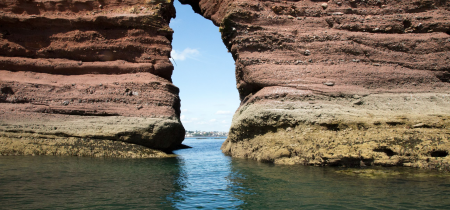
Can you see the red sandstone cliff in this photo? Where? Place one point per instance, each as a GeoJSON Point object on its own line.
{"type": "Point", "coordinates": [339, 82]}
{"type": "Point", "coordinates": [95, 70]}
{"type": "Point", "coordinates": [321, 82]}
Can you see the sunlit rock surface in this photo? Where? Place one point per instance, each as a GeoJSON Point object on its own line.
{"type": "Point", "coordinates": [348, 83]}
{"type": "Point", "coordinates": [87, 72]}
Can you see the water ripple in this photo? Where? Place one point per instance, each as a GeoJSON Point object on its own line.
{"type": "Point", "coordinates": [204, 178]}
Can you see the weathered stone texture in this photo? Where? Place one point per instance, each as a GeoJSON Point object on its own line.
{"type": "Point", "coordinates": [338, 82]}
{"type": "Point", "coordinates": [65, 66]}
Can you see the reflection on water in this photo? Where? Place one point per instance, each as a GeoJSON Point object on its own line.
{"type": "Point", "coordinates": [213, 180]}
{"type": "Point", "coordinates": [203, 177]}
{"type": "Point", "coordinates": [44, 182]}
{"type": "Point", "coordinates": [286, 187]}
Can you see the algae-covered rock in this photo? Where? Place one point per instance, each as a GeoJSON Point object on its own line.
{"type": "Point", "coordinates": [334, 132]}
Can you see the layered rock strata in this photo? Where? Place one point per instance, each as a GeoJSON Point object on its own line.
{"type": "Point", "coordinates": [339, 82]}
{"type": "Point", "coordinates": [81, 74]}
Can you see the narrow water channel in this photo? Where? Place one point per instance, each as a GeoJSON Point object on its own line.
{"type": "Point", "coordinates": [202, 177]}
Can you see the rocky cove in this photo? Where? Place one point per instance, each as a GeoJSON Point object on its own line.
{"type": "Point", "coordinates": [337, 83]}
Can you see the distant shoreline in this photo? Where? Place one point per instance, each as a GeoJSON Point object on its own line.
{"type": "Point", "coordinates": [206, 137]}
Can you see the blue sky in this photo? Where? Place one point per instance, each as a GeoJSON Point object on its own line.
{"type": "Point", "coordinates": [204, 72]}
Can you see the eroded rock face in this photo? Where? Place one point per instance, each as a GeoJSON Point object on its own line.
{"type": "Point", "coordinates": [92, 70]}
{"type": "Point", "coordinates": [338, 82]}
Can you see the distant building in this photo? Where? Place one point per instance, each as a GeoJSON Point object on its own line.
{"type": "Point", "coordinates": [206, 134]}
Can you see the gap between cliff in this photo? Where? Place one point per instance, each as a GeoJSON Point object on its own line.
{"type": "Point", "coordinates": [204, 72]}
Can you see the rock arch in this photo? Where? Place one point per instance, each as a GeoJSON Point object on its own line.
{"type": "Point", "coordinates": [321, 82]}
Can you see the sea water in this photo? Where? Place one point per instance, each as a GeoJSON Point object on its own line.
{"type": "Point", "coordinates": [204, 178]}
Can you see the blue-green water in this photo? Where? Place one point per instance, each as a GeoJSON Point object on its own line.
{"type": "Point", "coordinates": [203, 177]}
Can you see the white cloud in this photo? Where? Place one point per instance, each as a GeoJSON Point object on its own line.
{"type": "Point", "coordinates": [186, 53]}
{"type": "Point", "coordinates": [223, 112]}
{"type": "Point", "coordinates": [186, 120]}
{"type": "Point", "coordinates": [175, 21]}
{"type": "Point", "coordinates": [224, 121]}
{"type": "Point", "coordinates": [213, 120]}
